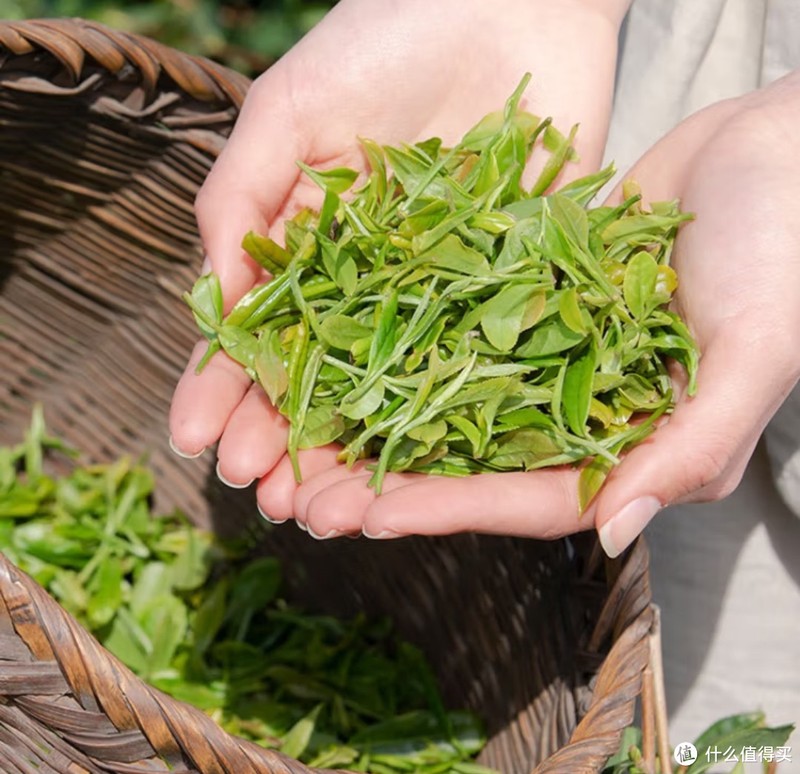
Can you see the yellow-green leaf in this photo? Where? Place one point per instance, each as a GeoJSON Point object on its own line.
{"type": "Point", "coordinates": [639, 286]}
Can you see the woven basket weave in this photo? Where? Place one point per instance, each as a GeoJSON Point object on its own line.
{"type": "Point", "coordinates": [105, 138]}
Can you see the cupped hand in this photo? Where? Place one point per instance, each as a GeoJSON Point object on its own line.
{"type": "Point", "coordinates": [735, 165]}
{"type": "Point", "coordinates": [392, 72]}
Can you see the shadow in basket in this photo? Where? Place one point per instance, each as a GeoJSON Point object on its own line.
{"type": "Point", "coordinates": [106, 139]}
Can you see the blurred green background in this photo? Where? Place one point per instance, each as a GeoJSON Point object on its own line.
{"type": "Point", "coordinates": [247, 35]}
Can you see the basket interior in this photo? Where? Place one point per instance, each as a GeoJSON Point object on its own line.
{"type": "Point", "coordinates": [99, 241]}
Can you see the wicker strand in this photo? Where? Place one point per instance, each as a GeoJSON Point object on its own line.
{"type": "Point", "coordinates": [109, 717]}
{"type": "Point", "coordinates": [73, 42]}
{"type": "Point", "coordinates": [106, 139]}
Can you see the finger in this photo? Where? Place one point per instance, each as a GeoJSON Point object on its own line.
{"type": "Point", "coordinates": [591, 93]}
{"type": "Point", "coordinates": [222, 230]}
{"type": "Point", "coordinates": [276, 490]}
{"type": "Point", "coordinates": [320, 481]}
{"type": "Point", "coordinates": [662, 181]}
{"type": "Point", "coordinates": [253, 442]}
{"type": "Point", "coordinates": [203, 402]}
{"type": "Point", "coordinates": [541, 504]}
{"type": "Point", "coordinates": [701, 453]}
{"type": "Point", "coordinates": [249, 182]}
{"type": "Point", "coordinates": [334, 503]}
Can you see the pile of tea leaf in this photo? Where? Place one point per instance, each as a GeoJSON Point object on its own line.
{"type": "Point", "coordinates": [206, 623]}
{"type": "Point", "coordinates": [444, 319]}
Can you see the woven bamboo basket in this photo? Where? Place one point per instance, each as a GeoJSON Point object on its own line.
{"type": "Point", "coordinates": [105, 138]}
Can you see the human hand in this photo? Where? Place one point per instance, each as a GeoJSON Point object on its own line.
{"type": "Point", "coordinates": [739, 268]}
{"type": "Point", "coordinates": [391, 72]}
{"type": "Point", "coordinates": [735, 165]}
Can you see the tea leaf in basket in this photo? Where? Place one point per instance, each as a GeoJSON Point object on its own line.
{"type": "Point", "coordinates": [106, 594]}
{"type": "Point", "coordinates": [209, 617]}
{"type": "Point", "coordinates": [337, 757]}
{"type": "Point", "coordinates": [190, 567]}
{"type": "Point", "coordinates": [127, 640]}
{"type": "Point", "coordinates": [416, 732]}
{"type": "Point", "coordinates": [296, 740]}
{"type": "Point", "coordinates": [165, 622]}
{"type": "Point", "coordinates": [152, 579]}
{"type": "Point", "coordinates": [205, 622]}
{"type": "Point", "coordinates": [251, 591]}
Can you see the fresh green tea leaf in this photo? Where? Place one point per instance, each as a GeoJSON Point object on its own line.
{"type": "Point", "coordinates": [106, 593]}
{"type": "Point", "coordinates": [367, 404]}
{"type": "Point", "coordinates": [592, 478]}
{"type": "Point", "coordinates": [402, 302]}
{"type": "Point", "coordinates": [570, 311]}
{"type": "Point", "coordinates": [337, 180]}
{"type": "Point", "coordinates": [510, 312]}
{"type": "Point", "coordinates": [266, 252]}
{"type": "Point", "coordinates": [576, 394]}
{"type": "Point", "coordinates": [451, 253]}
{"type": "Point", "coordinates": [207, 303]}
{"type": "Point", "coordinates": [239, 345]}
{"type": "Point", "coordinates": [639, 285]}
{"type": "Point", "coordinates": [341, 332]}
{"type": "Point", "coordinates": [296, 740]}
{"type": "Point", "coordinates": [270, 366]}
{"type": "Point", "coordinates": [525, 448]}
{"type": "Point", "coordinates": [323, 425]}
{"type": "Point", "coordinates": [205, 622]}
{"type": "Point", "coordinates": [550, 338]}
{"type": "Point", "coordinates": [571, 217]}
{"type": "Point", "coordinates": [164, 620]}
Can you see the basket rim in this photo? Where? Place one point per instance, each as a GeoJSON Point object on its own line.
{"type": "Point", "coordinates": [77, 43]}
{"type": "Point", "coordinates": [82, 48]}
{"type": "Point", "coordinates": [61, 652]}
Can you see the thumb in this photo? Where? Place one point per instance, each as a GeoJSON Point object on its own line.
{"type": "Point", "coordinates": [700, 453]}
{"type": "Point", "coordinates": [248, 185]}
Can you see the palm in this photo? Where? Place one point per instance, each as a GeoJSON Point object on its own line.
{"type": "Point", "coordinates": [740, 294]}
{"type": "Point", "coordinates": [740, 279]}
{"type": "Point", "coordinates": [398, 74]}
{"type": "Point", "coordinates": [391, 72]}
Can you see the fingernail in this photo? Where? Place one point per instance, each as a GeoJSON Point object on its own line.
{"type": "Point", "coordinates": [184, 454]}
{"type": "Point", "coordinates": [300, 525]}
{"type": "Point", "coordinates": [385, 534]}
{"type": "Point", "coordinates": [330, 534]}
{"type": "Point", "coordinates": [618, 533]}
{"type": "Point", "coordinates": [206, 267]}
{"type": "Point", "coordinates": [269, 518]}
{"type": "Point", "coordinates": [230, 483]}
